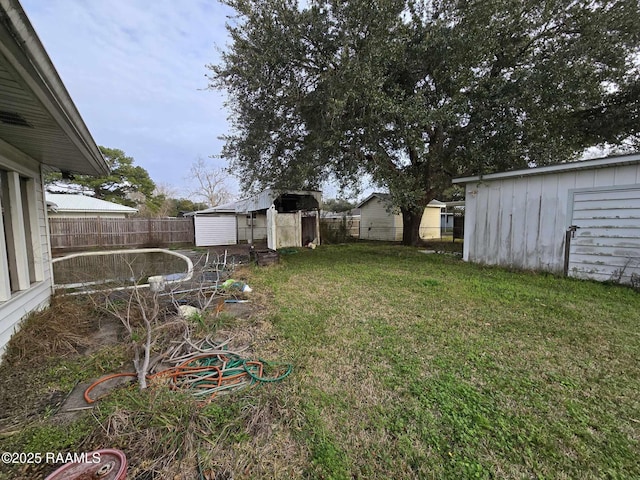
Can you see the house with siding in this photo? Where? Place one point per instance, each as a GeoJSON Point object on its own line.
{"type": "Point", "coordinates": [40, 128]}
{"type": "Point", "coordinates": [577, 218]}
{"type": "Point", "coordinates": [380, 221]}
{"type": "Point", "coordinates": [70, 205]}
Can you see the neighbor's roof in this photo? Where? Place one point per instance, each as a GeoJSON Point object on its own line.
{"type": "Point", "coordinates": [37, 116]}
{"type": "Point", "coordinates": [387, 197]}
{"type": "Point", "coordinates": [82, 203]}
{"type": "Point", "coordinates": [604, 162]}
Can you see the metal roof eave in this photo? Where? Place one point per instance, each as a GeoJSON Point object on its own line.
{"type": "Point", "coordinates": [604, 162]}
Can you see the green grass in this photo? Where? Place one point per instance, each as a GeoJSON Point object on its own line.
{"type": "Point", "coordinates": [413, 365]}
{"type": "Point", "coordinates": [406, 366]}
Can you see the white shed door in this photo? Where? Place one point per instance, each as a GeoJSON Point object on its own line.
{"type": "Point", "coordinates": [212, 231]}
{"type": "Point", "coordinates": [606, 245]}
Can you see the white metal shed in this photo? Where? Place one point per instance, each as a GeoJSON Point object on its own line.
{"type": "Point", "coordinates": [580, 218]}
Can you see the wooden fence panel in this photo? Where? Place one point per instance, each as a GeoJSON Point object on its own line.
{"type": "Point", "coordinates": [88, 233]}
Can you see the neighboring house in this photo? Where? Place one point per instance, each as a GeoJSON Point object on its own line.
{"type": "Point", "coordinates": [66, 205]}
{"type": "Point", "coordinates": [39, 127]}
{"type": "Point", "coordinates": [379, 221]}
{"type": "Point", "coordinates": [281, 218]}
{"type": "Point", "coordinates": [526, 218]}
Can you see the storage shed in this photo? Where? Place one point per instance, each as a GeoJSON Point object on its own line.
{"type": "Point", "coordinates": [279, 218]}
{"type": "Point", "coordinates": [581, 218]}
{"type": "Point", "coordinates": [379, 221]}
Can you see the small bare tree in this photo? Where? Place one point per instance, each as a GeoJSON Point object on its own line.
{"type": "Point", "coordinates": [139, 314]}
{"type": "Point", "coordinates": [210, 183]}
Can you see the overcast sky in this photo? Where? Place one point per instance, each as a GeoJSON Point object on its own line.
{"type": "Point", "coordinates": [136, 72]}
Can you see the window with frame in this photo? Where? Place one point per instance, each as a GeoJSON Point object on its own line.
{"type": "Point", "coordinates": [20, 256]}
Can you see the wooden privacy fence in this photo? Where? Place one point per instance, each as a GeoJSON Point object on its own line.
{"type": "Point", "coordinates": [83, 233]}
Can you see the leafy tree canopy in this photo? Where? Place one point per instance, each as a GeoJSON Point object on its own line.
{"type": "Point", "coordinates": [162, 206]}
{"type": "Point", "coordinates": [124, 181]}
{"type": "Point", "coordinates": [412, 93]}
{"type": "Point", "coordinates": [337, 205]}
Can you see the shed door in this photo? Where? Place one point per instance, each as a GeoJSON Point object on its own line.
{"type": "Point", "coordinates": [606, 245]}
{"type": "Point", "coordinates": [212, 231]}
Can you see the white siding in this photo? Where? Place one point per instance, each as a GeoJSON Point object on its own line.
{"type": "Point", "coordinates": [17, 305]}
{"type": "Point", "coordinates": [376, 223]}
{"type": "Point", "coordinates": [521, 221]}
{"type": "Point", "coordinates": [20, 305]}
{"type": "Point", "coordinates": [215, 230]}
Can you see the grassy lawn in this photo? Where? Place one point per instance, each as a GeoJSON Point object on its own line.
{"type": "Point", "coordinates": [410, 365]}
{"type": "Point", "coordinates": [414, 365]}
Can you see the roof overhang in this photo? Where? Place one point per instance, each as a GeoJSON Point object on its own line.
{"type": "Point", "coordinates": [263, 201]}
{"type": "Point", "coordinates": [268, 197]}
{"type": "Point", "coordinates": [554, 169]}
{"type": "Point", "coordinates": [37, 115]}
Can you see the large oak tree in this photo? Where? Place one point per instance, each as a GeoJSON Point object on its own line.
{"type": "Point", "coordinates": [412, 93]}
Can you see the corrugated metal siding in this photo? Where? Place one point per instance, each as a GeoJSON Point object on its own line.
{"type": "Point", "coordinates": [606, 245]}
{"type": "Point", "coordinates": [218, 230]}
{"type": "Point", "coordinates": [521, 222]}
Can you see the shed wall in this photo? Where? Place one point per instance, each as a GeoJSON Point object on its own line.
{"type": "Point", "coordinates": [521, 222]}
{"type": "Point", "coordinates": [211, 230]}
{"type": "Point", "coordinates": [259, 227]}
{"type": "Point", "coordinates": [430, 224]}
{"type": "Point", "coordinates": [376, 223]}
{"type": "Point", "coordinates": [606, 243]}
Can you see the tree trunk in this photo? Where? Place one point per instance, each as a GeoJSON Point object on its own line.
{"type": "Point", "coordinates": [411, 220]}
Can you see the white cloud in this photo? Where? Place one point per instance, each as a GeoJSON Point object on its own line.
{"type": "Point", "coordinates": [136, 71]}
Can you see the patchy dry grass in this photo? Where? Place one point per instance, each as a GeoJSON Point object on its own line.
{"type": "Point", "coordinates": [407, 366]}
{"type": "Point", "coordinates": [62, 330]}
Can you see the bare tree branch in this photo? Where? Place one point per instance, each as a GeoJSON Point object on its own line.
{"type": "Point", "coordinates": [210, 183]}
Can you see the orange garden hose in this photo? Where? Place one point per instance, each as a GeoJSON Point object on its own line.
{"type": "Point", "coordinates": [206, 375]}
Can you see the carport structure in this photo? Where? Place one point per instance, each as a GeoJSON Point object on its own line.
{"type": "Point", "coordinates": [287, 218]}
